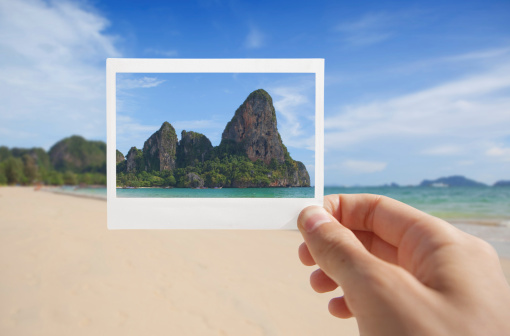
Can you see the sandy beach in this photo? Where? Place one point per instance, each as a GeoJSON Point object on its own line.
{"type": "Point", "coordinates": [64, 273]}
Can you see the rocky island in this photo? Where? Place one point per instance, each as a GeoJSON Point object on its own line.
{"type": "Point", "coordinates": [251, 154]}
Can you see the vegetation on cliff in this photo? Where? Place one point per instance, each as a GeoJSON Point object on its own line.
{"type": "Point", "coordinates": [230, 171]}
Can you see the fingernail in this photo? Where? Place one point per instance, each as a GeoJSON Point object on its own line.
{"type": "Point", "coordinates": [316, 218]}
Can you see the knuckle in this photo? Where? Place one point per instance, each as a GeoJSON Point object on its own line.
{"type": "Point", "coordinates": [486, 248]}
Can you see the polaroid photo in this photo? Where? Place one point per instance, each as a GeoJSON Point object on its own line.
{"type": "Point", "coordinates": [213, 143]}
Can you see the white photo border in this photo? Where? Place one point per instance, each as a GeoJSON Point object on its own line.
{"type": "Point", "coordinates": [209, 213]}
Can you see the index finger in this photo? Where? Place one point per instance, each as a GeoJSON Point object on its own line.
{"type": "Point", "coordinates": [387, 218]}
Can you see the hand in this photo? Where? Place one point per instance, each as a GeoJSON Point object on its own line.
{"type": "Point", "coordinates": [403, 272]}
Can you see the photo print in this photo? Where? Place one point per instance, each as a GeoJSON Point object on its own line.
{"type": "Point", "coordinates": [228, 140]}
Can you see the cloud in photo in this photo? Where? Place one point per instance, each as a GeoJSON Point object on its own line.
{"type": "Point", "coordinates": [296, 105]}
{"type": "Point", "coordinates": [137, 83]}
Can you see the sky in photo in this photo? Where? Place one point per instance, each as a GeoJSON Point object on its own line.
{"type": "Point", "coordinates": [413, 90]}
{"type": "Point", "coordinates": [206, 102]}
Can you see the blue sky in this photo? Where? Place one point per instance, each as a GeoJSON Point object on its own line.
{"type": "Point", "coordinates": [206, 102]}
{"type": "Point", "coordinates": [413, 90]}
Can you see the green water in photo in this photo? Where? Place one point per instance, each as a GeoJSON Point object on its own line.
{"type": "Point", "coordinates": [301, 192]}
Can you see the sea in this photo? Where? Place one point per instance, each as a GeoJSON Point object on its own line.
{"type": "Point", "coordinates": [467, 203]}
{"type": "Point", "coordinates": [464, 207]}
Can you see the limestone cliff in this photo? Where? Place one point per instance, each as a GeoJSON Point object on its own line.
{"type": "Point", "coordinates": [119, 157]}
{"type": "Point", "coordinates": [251, 154]}
{"type": "Point", "coordinates": [134, 161]}
{"type": "Point", "coordinates": [193, 148]}
{"type": "Point", "coordinates": [253, 128]}
{"type": "Point", "coordinates": [253, 132]}
{"type": "Point", "coordinates": [160, 149]}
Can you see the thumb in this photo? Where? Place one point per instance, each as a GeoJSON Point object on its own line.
{"type": "Point", "coordinates": [335, 248]}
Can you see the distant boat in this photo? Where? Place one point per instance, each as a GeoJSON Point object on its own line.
{"type": "Point", "coordinates": [217, 187]}
{"type": "Point", "coordinates": [439, 185]}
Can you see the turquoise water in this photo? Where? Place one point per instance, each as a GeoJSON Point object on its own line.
{"type": "Point", "coordinates": [471, 203]}
{"type": "Point", "coordinates": [478, 203]}
{"type": "Point", "coordinates": [219, 193]}
{"type": "Point", "coordinates": [88, 192]}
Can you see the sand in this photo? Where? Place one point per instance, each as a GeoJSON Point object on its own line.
{"type": "Point", "coordinates": [64, 273]}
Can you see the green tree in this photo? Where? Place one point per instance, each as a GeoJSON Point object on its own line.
{"type": "Point", "coordinates": [30, 168]}
{"type": "Point", "coordinates": [3, 178]}
{"type": "Point", "coordinates": [5, 153]}
{"type": "Point", "coordinates": [85, 179]}
{"type": "Point", "coordinates": [70, 178]}
{"type": "Point", "coordinates": [170, 181]}
{"type": "Point", "coordinates": [14, 170]}
{"type": "Point", "coordinates": [55, 178]}
{"type": "Point", "coordinates": [156, 181]}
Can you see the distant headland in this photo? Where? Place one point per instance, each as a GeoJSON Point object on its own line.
{"type": "Point", "coordinates": [251, 155]}
{"type": "Point", "coordinates": [444, 182]}
{"type": "Point", "coordinates": [71, 161]}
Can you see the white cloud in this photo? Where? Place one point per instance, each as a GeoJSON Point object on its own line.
{"type": "Point", "coordinates": [470, 108]}
{"type": "Point", "coordinates": [443, 150]}
{"type": "Point", "coordinates": [254, 39]}
{"type": "Point", "coordinates": [292, 102]}
{"type": "Point", "coordinates": [53, 70]}
{"type": "Point", "coordinates": [127, 125]}
{"type": "Point", "coordinates": [131, 133]}
{"type": "Point", "coordinates": [499, 152]}
{"type": "Point", "coordinates": [471, 59]}
{"type": "Point", "coordinates": [359, 166]}
{"type": "Point", "coordinates": [370, 29]}
{"type": "Point", "coordinates": [136, 83]}
{"type": "Point", "coordinates": [159, 52]}
{"type": "Point", "coordinates": [376, 27]}
{"type": "Point", "coordinates": [287, 99]}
